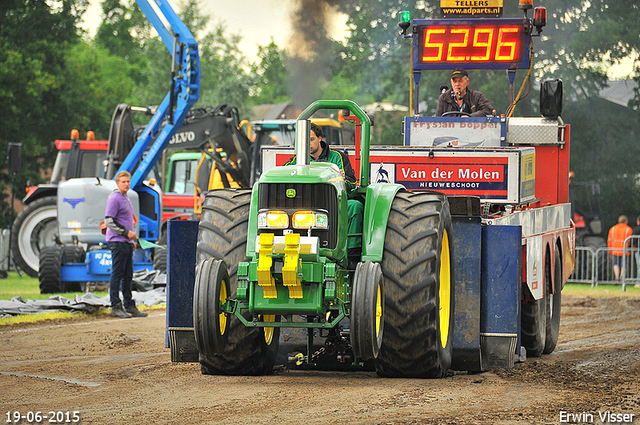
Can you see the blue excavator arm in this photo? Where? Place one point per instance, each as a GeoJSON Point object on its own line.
{"type": "Point", "coordinates": [184, 91]}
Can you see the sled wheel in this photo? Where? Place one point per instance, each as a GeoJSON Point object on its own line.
{"type": "Point", "coordinates": [553, 307]}
{"type": "Point", "coordinates": [49, 275]}
{"type": "Point", "coordinates": [534, 319]}
{"type": "Point", "coordinates": [222, 235]}
{"type": "Point", "coordinates": [210, 292]}
{"type": "Point", "coordinates": [367, 318]}
{"type": "Point", "coordinates": [418, 292]}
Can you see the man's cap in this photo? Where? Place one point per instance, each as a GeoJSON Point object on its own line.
{"type": "Point", "coordinates": [459, 72]}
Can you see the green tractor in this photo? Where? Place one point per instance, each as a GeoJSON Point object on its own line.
{"type": "Point", "coordinates": [275, 257]}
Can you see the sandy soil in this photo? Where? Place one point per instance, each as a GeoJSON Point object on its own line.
{"type": "Point", "coordinates": [119, 371]}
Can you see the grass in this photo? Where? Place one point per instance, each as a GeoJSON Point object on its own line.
{"type": "Point", "coordinates": [585, 290]}
{"type": "Point", "coordinates": [33, 318]}
{"type": "Point", "coordinates": [28, 288]}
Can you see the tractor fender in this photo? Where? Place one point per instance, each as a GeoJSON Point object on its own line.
{"type": "Point", "coordinates": [379, 197]}
{"type": "Point", "coordinates": [41, 191]}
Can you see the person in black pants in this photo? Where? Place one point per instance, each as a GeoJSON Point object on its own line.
{"type": "Point", "coordinates": [121, 238]}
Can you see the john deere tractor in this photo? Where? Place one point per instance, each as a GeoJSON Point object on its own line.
{"type": "Point", "coordinates": [275, 257]}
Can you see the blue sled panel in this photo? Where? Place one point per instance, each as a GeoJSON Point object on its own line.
{"type": "Point", "coordinates": [467, 246]}
{"type": "Point", "coordinates": [97, 267]}
{"type": "Point", "coordinates": [500, 311]}
{"type": "Point", "coordinates": [181, 262]}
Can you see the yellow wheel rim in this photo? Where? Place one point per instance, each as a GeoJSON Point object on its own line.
{"type": "Point", "coordinates": [445, 290]}
{"type": "Point", "coordinates": [222, 317]}
{"type": "Point", "coordinates": [378, 309]}
{"type": "Point", "coordinates": [268, 332]}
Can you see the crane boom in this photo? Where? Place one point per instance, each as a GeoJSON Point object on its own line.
{"type": "Point", "coordinates": [184, 91]}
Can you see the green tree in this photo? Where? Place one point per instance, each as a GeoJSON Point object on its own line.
{"type": "Point", "coordinates": [270, 75]}
{"type": "Point", "coordinates": [124, 33]}
{"type": "Point", "coordinates": [35, 37]}
{"type": "Point", "coordinates": [224, 78]}
{"type": "Point", "coordinates": [584, 38]}
{"type": "Point", "coordinates": [157, 72]}
{"type": "Point", "coordinates": [223, 75]}
{"type": "Point", "coordinates": [96, 81]}
{"type": "Point", "coordinates": [374, 58]}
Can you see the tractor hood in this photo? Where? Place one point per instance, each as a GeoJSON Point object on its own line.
{"type": "Point", "coordinates": [317, 172]}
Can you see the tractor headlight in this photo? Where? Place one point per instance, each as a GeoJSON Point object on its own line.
{"type": "Point", "coordinates": [309, 219]}
{"type": "Point", "coordinates": [273, 220]}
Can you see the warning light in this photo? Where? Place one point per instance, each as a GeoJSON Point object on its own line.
{"type": "Point", "coordinates": [404, 21]}
{"type": "Point", "coordinates": [75, 134]}
{"type": "Point", "coordinates": [472, 43]}
{"type": "Point", "coordinates": [539, 18]}
{"type": "Point", "coordinates": [526, 4]}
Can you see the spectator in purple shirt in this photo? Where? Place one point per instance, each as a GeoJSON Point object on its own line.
{"type": "Point", "coordinates": [121, 238]}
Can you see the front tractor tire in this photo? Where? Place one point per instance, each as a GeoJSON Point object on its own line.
{"type": "Point", "coordinates": [210, 292]}
{"type": "Point", "coordinates": [34, 228]}
{"type": "Point", "coordinates": [222, 235]}
{"type": "Point", "coordinates": [367, 307]}
{"type": "Point", "coordinates": [418, 288]}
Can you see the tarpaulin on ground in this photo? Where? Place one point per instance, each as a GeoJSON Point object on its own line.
{"type": "Point", "coordinates": [146, 280]}
{"type": "Point", "coordinates": [143, 294]}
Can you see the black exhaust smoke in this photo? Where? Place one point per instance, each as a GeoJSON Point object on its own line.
{"type": "Point", "coordinates": [309, 47]}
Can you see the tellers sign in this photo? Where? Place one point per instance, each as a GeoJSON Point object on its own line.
{"type": "Point", "coordinates": [471, 8]}
{"type": "Point", "coordinates": [471, 44]}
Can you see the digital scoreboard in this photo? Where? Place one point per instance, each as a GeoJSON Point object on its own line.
{"type": "Point", "coordinates": [471, 44]}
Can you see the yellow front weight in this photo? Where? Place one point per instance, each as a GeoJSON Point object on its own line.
{"type": "Point", "coordinates": [265, 261]}
{"type": "Point", "coordinates": [290, 276]}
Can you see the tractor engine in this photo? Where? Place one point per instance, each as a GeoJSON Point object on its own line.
{"type": "Point", "coordinates": [302, 208]}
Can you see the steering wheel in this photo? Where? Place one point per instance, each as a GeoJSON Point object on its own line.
{"type": "Point", "coordinates": [456, 114]}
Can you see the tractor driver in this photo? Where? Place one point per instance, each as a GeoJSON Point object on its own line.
{"type": "Point", "coordinates": [320, 151]}
{"type": "Point", "coordinates": [461, 99]}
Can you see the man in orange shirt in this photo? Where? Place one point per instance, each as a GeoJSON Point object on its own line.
{"type": "Point", "coordinates": [617, 235]}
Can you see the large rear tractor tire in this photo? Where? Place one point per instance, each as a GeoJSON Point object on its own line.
{"type": "Point", "coordinates": [367, 307]}
{"type": "Point", "coordinates": [160, 259]}
{"type": "Point", "coordinates": [418, 288]}
{"type": "Point", "coordinates": [35, 228]}
{"type": "Point", "coordinates": [553, 301]}
{"type": "Point", "coordinates": [222, 235]}
{"type": "Point", "coordinates": [534, 320]}
{"type": "Point", "coordinates": [49, 270]}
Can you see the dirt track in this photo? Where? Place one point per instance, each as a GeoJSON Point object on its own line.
{"type": "Point", "coordinates": [119, 371]}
